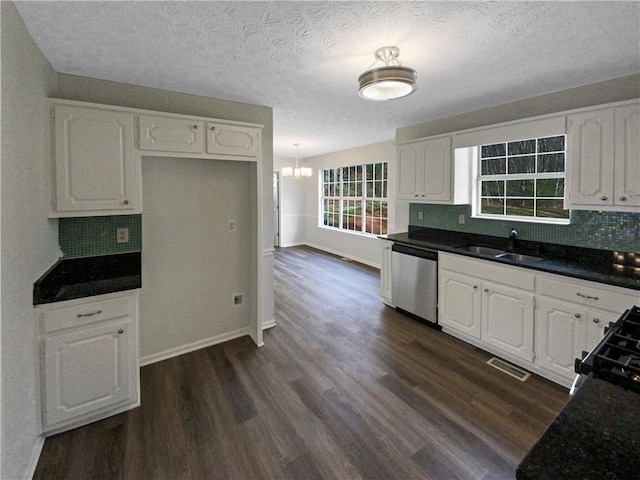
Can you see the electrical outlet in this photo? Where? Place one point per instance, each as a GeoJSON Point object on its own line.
{"type": "Point", "coordinates": [233, 226]}
{"type": "Point", "coordinates": [420, 215]}
{"type": "Point", "coordinates": [461, 219]}
{"type": "Point", "coordinates": [238, 299]}
{"type": "Point", "coordinates": [122, 235]}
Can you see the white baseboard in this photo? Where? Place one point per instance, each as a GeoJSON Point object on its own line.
{"type": "Point", "coordinates": [34, 457]}
{"type": "Point", "coordinates": [207, 342]}
{"type": "Point", "coordinates": [294, 244]}
{"type": "Point", "coordinates": [190, 347]}
{"type": "Point", "coordinates": [345, 255]}
{"type": "Point", "coordinates": [268, 324]}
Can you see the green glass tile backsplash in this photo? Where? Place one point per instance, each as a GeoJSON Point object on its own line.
{"type": "Point", "coordinates": [591, 229]}
{"type": "Point", "coordinates": [84, 236]}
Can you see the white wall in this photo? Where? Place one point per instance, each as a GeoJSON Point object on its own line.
{"type": "Point", "coordinates": [301, 202]}
{"type": "Point", "coordinates": [29, 240]}
{"type": "Point", "coordinates": [292, 204]}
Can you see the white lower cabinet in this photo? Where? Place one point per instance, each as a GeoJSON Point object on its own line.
{"type": "Point", "coordinates": [495, 314]}
{"type": "Point", "coordinates": [460, 302]}
{"type": "Point", "coordinates": [386, 272]}
{"type": "Point", "coordinates": [542, 322]}
{"type": "Point", "coordinates": [507, 319]}
{"type": "Point", "coordinates": [89, 359]}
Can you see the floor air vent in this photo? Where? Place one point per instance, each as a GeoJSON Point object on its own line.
{"type": "Point", "coordinates": [509, 369]}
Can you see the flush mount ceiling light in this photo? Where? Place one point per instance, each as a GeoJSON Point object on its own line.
{"type": "Point", "coordinates": [390, 81]}
{"type": "Point", "coordinates": [296, 172]}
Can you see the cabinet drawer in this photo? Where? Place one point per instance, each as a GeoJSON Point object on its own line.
{"type": "Point", "coordinates": [588, 294]}
{"type": "Point", "coordinates": [86, 313]}
{"type": "Point", "coordinates": [514, 276]}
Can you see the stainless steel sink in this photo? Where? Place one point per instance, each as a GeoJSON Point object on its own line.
{"type": "Point", "coordinates": [483, 250]}
{"type": "Point", "coordinates": [519, 257]}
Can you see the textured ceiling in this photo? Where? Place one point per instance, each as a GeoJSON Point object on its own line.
{"type": "Point", "coordinates": [303, 58]}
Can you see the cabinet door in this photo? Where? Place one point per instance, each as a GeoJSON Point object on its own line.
{"type": "Point", "coordinates": [232, 140]}
{"type": "Point", "coordinates": [408, 157]}
{"type": "Point", "coordinates": [627, 156]}
{"type": "Point", "coordinates": [459, 303]}
{"type": "Point", "coordinates": [436, 174]}
{"type": "Point", "coordinates": [597, 321]}
{"type": "Point", "coordinates": [591, 157]}
{"type": "Point", "coordinates": [85, 371]}
{"type": "Point", "coordinates": [166, 134]}
{"type": "Point", "coordinates": [560, 335]}
{"type": "Point", "coordinates": [507, 319]}
{"type": "Point", "coordinates": [385, 272]}
{"type": "Point", "coordinates": [94, 160]}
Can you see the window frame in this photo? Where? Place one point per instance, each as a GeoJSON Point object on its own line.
{"type": "Point", "coordinates": [340, 203]}
{"type": "Point", "coordinates": [505, 177]}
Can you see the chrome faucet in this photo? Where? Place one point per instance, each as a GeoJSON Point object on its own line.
{"type": "Point", "coordinates": [513, 236]}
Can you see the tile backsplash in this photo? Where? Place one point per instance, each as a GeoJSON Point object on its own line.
{"type": "Point", "coordinates": [591, 229]}
{"type": "Point", "coordinates": [84, 236]}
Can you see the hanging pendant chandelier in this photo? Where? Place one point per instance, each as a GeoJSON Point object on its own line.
{"type": "Point", "coordinates": [389, 81]}
{"type": "Point", "coordinates": [296, 172]}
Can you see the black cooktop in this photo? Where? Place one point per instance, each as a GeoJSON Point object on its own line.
{"type": "Point", "coordinates": [616, 358]}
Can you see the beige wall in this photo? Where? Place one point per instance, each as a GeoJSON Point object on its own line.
{"type": "Point", "coordinates": [29, 239]}
{"type": "Point", "coordinates": [615, 90]}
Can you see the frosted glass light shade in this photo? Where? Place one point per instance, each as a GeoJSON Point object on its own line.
{"type": "Point", "coordinates": [387, 83]}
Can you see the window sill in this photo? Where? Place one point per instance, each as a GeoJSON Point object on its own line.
{"type": "Point", "coordinates": [350, 232]}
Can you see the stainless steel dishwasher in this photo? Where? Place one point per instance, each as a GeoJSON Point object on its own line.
{"type": "Point", "coordinates": [414, 282]}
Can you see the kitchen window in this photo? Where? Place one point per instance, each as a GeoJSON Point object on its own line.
{"type": "Point", "coordinates": [354, 198]}
{"type": "Point", "coordinates": [522, 180]}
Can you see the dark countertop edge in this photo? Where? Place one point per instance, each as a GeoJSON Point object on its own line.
{"type": "Point", "coordinates": [555, 265]}
{"type": "Point", "coordinates": [49, 301]}
{"type": "Point", "coordinates": [82, 277]}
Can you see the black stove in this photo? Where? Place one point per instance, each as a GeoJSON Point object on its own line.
{"type": "Point", "coordinates": [616, 358]}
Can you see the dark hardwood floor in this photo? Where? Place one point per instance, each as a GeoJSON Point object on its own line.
{"type": "Point", "coordinates": [344, 388]}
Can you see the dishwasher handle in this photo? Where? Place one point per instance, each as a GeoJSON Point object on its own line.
{"type": "Point", "coordinates": [415, 252]}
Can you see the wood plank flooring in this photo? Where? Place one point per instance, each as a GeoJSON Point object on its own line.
{"type": "Point", "coordinates": [344, 388]}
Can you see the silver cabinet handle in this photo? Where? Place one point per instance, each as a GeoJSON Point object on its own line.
{"type": "Point", "coordinates": [97, 312]}
{"type": "Point", "coordinates": [603, 198]}
{"type": "Point", "coordinates": [475, 286]}
{"type": "Point", "coordinates": [586, 296]}
{"type": "Point", "coordinates": [577, 315]}
{"type": "Point", "coordinates": [213, 128]}
{"type": "Point", "coordinates": [486, 290]}
{"type": "Point", "coordinates": [596, 320]}
{"type": "Point", "coordinates": [195, 127]}
{"type": "Point", "coordinates": [126, 202]}
{"type": "Point", "coordinates": [120, 332]}
{"type": "Point", "coordinates": [623, 198]}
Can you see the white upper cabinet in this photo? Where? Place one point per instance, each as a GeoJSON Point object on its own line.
{"type": "Point", "coordinates": [94, 162]}
{"type": "Point", "coordinates": [604, 159]}
{"type": "Point", "coordinates": [627, 155]}
{"type": "Point", "coordinates": [168, 134]}
{"type": "Point", "coordinates": [226, 139]}
{"type": "Point", "coordinates": [424, 171]}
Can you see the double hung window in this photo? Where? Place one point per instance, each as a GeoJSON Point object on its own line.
{"type": "Point", "coordinates": [522, 180]}
{"type": "Point", "coordinates": [354, 198]}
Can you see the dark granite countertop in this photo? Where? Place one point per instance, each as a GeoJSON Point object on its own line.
{"type": "Point", "coordinates": [603, 266]}
{"type": "Point", "coordinates": [595, 437]}
{"type": "Point", "coordinates": [71, 278]}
